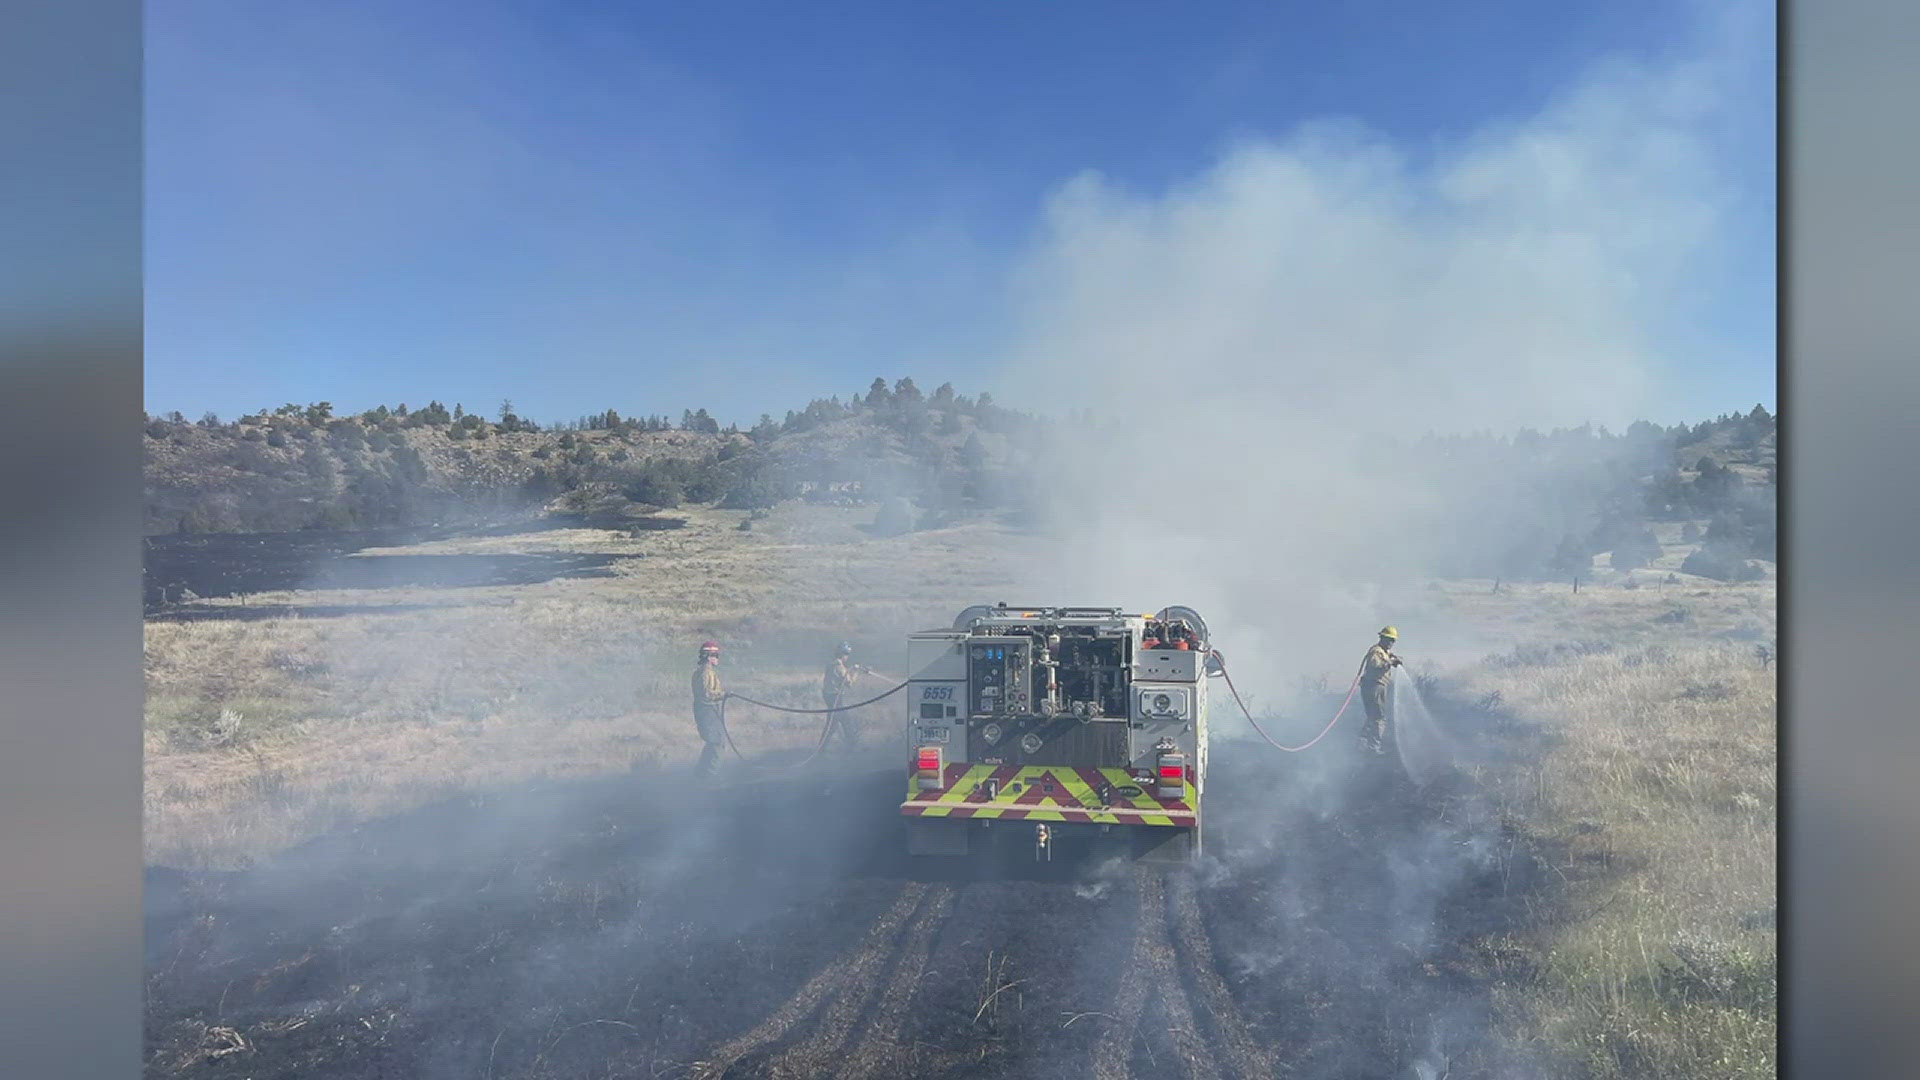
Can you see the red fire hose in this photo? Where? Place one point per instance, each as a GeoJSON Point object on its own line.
{"type": "Point", "coordinates": [1256, 724]}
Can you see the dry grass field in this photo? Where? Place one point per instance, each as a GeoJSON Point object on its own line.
{"type": "Point", "coordinates": [1662, 795]}
{"type": "Point", "coordinates": [340, 705]}
{"type": "Point", "coordinates": [276, 717]}
{"type": "Point", "coordinates": [1658, 792]}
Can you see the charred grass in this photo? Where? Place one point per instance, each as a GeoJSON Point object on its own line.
{"type": "Point", "coordinates": [438, 832]}
{"type": "Point", "coordinates": [646, 926]}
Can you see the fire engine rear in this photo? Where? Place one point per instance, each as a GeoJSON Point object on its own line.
{"type": "Point", "coordinates": [1061, 723]}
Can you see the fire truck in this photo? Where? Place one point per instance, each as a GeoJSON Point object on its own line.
{"type": "Point", "coordinates": [1059, 723]}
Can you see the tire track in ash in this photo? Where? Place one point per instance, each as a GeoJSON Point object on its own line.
{"type": "Point", "coordinates": [879, 1035]}
{"type": "Point", "coordinates": [1164, 974]}
{"type": "Point", "coordinates": [1151, 975]}
{"type": "Point", "coordinates": [1236, 1047]}
{"type": "Point", "coordinates": [1110, 1062]}
{"type": "Point", "coordinates": [832, 980]}
{"type": "Point", "coordinates": [1154, 977]}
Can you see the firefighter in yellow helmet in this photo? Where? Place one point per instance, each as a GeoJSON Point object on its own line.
{"type": "Point", "coordinates": [1376, 671]}
{"type": "Point", "coordinates": [707, 714]}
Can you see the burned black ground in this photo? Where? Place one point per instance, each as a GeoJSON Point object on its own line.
{"type": "Point", "coordinates": [1340, 926]}
{"type": "Point", "coordinates": [237, 564]}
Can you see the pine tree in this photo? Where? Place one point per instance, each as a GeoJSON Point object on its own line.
{"type": "Point", "coordinates": [1571, 558]}
{"type": "Point", "coordinates": [1635, 551]}
{"type": "Point", "coordinates": [973, 453]}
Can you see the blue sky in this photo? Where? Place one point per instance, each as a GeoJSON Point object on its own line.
{"type": "Point", "coordinates": [740, 206]}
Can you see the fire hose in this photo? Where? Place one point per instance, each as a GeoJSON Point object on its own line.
{"type": "Point", "coordinates": [826, 729]}
{"type": "Point", "coordinates": [1256, 724]}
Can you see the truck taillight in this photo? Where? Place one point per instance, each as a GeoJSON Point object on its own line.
{"type": "Point", "coordinates": [1173, 776]}
{"type": "Point", "coordinates": [928, 767]}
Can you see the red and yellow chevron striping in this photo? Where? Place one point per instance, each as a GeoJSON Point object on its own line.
{"type": "Point", "coordinates": [1048, 793]}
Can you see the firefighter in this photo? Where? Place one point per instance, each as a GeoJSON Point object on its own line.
{"type": "Point", "coordinates": [707, 714]}
{"type": "Point", "coordinates": [1376, 671]}
{"type": "Point", "coordinates": [841, 674]}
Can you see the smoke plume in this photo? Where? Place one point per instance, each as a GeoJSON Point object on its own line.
{"type": "Point", "coordinates": [1262, 337]}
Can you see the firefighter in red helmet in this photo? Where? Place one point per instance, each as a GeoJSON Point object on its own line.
{"type": "Point", "coordinates": [707, 714]}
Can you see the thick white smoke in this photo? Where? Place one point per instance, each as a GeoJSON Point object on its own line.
{"type": "Point", "coordinates": [1257, 335]}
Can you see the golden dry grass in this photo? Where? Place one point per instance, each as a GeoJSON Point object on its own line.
{"type": "Point", "coordinates": [264, 732]}
{"type": "Point", "coordinates": [1659, 796]}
